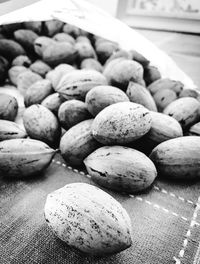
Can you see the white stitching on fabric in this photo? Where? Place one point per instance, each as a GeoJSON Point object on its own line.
{"type": "Point", "coordinates": [177, 261]}
{"type": "Point", "coordinates": [175, 214]}
{"type": "Point", "coordinates": [70, 168]}
{"type": "Point", "coordinates": [161, 208]}
{"type": "Point", "coordinates": [173, 195]}
{"type": "Point", "coordinates": [188, 234]}
{"type": "Point", "coordinates": [136, 197]}
{"type": "Point", "coordinates": [197, 256]}
{"type": "Point", "coordinates": [154, 187]}
{"type": "Point", "coordinates": [57, 162]}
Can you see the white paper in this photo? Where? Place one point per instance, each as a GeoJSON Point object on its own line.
{"type": "Point", "coordinates": [92, 19]}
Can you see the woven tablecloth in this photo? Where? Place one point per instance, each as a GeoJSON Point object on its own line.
{"type": "Point", "coordinates": [165, 221]}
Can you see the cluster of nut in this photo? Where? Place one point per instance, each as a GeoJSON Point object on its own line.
{"type": "Point", "coordinates": [103, 107]}
{"type": "Point", "coordinates": [82, 92]}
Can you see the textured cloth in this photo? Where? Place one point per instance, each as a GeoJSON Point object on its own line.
{"type": "Point", "coordinates": [165, 221]}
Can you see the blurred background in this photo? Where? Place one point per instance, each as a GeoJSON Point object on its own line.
{"type": "Point", "coordinates": [172, 15]}
{"type": "Point", "coordinates": [172, 25]}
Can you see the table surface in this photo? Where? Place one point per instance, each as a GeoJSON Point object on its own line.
{"type": "Point", "coordinates": [165, 219]}
{"type": "Point", "coordinates": [7, 6]}
{"type": "Point", "coordinates": [165, 222]}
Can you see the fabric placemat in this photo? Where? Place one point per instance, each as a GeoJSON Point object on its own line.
{"type": "Point", "coordinates": [165, 221]}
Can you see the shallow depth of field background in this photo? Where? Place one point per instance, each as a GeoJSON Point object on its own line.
{"type": "Point", "coordinates": [173, 25]}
